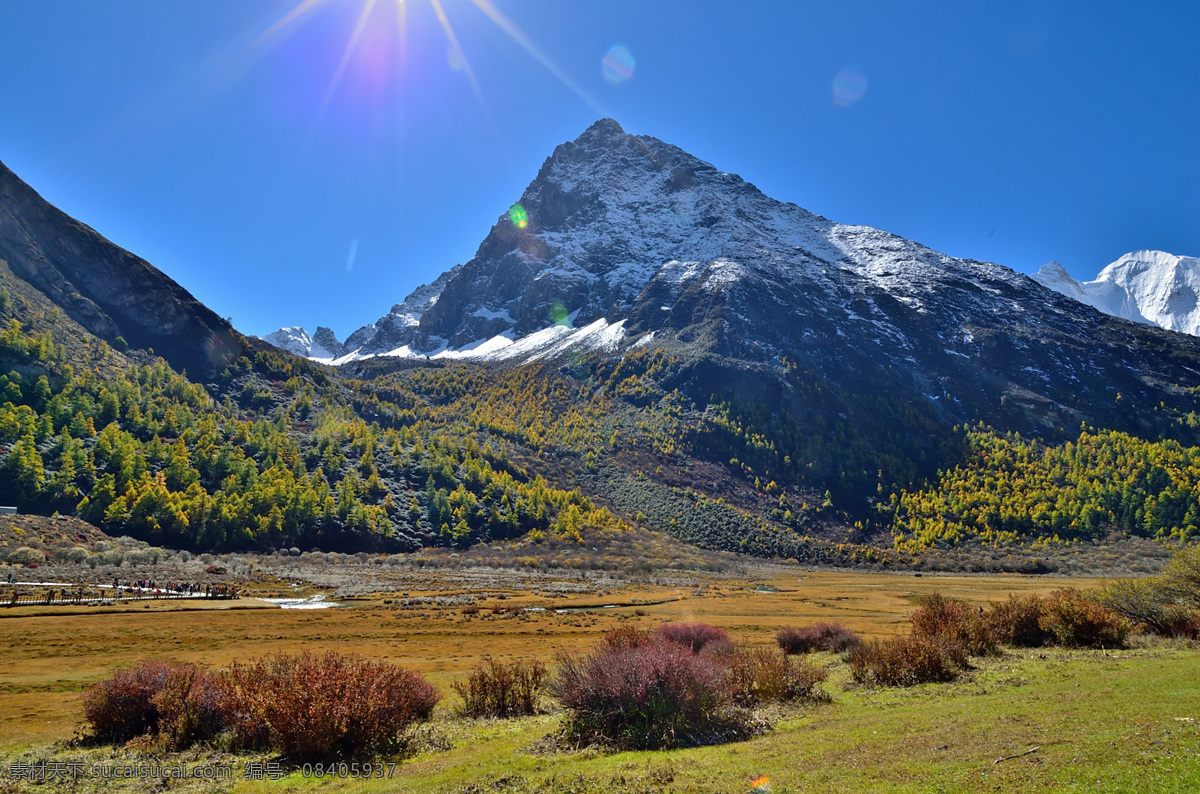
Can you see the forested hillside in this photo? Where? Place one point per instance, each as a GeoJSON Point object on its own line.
{"type": "Point", "coordinates": [277, 458]}
{"type": "Point", "coordinates": [279, 452]}
{"type": "Point", "coordinates": [1012, 489]}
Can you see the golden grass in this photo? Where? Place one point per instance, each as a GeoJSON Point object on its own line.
{"type": "Point", "coordinates": [51, 655]}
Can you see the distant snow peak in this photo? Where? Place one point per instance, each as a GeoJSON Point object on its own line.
{"type": "Point", "coordinates": [321, 346]}
{"type": "Point", "coordinates": [294, 340]}
{"type": "Point", "coordinates": [397, 327]}
{"type": "Point", "coordinates": [1152, 287]}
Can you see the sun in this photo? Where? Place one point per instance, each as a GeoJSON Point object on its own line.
{"type": "Point", "coordinates": [369, 15]}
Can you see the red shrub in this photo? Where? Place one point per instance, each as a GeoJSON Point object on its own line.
{"type": "Point", "coordinates": [496, 689]}
{"type": "Point", "coordinates": [1017, 622]}
{"type": "Point", "coordinates": [695, 636]}
{"type": "Point", "coordinates": [1077, 621]}
{"type": "Point", "coordinates": [821, 636]}
{"type": "Point", "coordinates": [122, 707]}
{"type": "Point", "coordinates": [949, 621]}
{"type": "Point", "coordinates": [180, 701]}
{"type": "Point", "coordinates": [190, 707]}
{"type": "Point", "coordinates": [653, 695]}
{"type": "Point", "coordinates": [325, 708]}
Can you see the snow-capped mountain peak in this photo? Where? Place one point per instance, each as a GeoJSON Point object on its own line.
{"type": "Point", "coordinates": [1054, 276]}
{"type": "Point", "coordinates": [1151, 287]}
{"type": "Point", "coordinates": [293, 339]}
{"type": "Point", "coordinates": [322, 345]}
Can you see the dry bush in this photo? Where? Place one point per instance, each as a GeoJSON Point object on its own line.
{"type": "Point", "coordinates": [653, 695]}
{"type": "Point", "coordinates": [695, 636]}
{"type": "Point", "coordinates": [821, 636]}
{"type": "Point", "coordinates": [907, 661]}
{"type": "Point", "coordinates": [1075, 620]}
{"type": "Point", "coordinates": [1167, 604]}
{"type": "Point", "coordinates": [949, 621]}
{"type": "Point", "coordinates": [764, 675]}
{"type": "Point", "coordinates": [496, 689]}
{"type": "Point", "coordinates": [1150, 602]}
{"type": "Point", "coordinates": [1017, 622]}
{"type": "Point", "coordinates": [181, 702]}
{"type": "Point", "coordinates": [326, 708]}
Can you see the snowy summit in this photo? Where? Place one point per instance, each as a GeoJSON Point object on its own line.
{"type": "Point", "coordinates": [1151, 287]}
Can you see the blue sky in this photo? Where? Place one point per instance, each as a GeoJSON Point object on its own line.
{"type": "Point", "coordinates": [288, 178]}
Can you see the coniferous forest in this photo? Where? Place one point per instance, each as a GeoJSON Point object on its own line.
{"type": "Point", "coordinates": [276, 452]}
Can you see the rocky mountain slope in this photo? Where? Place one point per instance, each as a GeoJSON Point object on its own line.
{"type": "Point", "coordinates": [623, 241]}
{"type": "Point", "coordinates": [117, 296]}
{"type": "Point", "coordinates": [1151, 287]}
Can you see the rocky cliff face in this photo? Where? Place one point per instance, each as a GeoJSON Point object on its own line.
{"type": "Point", "coordinates": [109, 291]}
{"type": "Point", "coordinates": [400, 326]}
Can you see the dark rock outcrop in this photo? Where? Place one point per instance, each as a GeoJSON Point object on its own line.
{"type": "Point", "coordinates": [327, 340]}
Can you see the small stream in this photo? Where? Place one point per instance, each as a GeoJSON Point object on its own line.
{"type": "Point", "coordinates": [312, 602]}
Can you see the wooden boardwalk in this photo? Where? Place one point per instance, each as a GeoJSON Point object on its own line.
{"type": "Point", "coordinates": [26, 594]}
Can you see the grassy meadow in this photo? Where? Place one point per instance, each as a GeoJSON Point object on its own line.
{"type": "Point", "coordinates": [1115, 720]}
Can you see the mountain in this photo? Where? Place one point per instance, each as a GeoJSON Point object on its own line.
{"type": "Point", "coordinates": [115, 295]}
{"type": "Point", "coordinates": [322, 345]}
{"type": "Point", "coordinates": [623, 241]}
{"type": "Point", "coordinates": [641, 342]}
{"type": "Point", "coordinates": [395, 328]}
{"type": "Point", "coordinates": [1151, 287]}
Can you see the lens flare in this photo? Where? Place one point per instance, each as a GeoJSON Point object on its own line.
{"type": "Point", "coordinates": [352, 255]}
{"type": "Point", "coordinates": [618, 64]}
{"type": "Point", "coordinates": [516, 214]}
{"type": "Point", "coordinates": [559, 314]}
{"type": "Point", "coordinates": [221, 348]}
{"type": "Point", "coordinates": [760, 785]}
{"type": "Point", "coordinates": [848, 87]}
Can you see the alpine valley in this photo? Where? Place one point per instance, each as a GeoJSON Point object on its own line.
{"type": "Point", "coordinates": [642, 344]}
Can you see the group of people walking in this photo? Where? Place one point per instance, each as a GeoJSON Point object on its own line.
{"type": "Point", "coordinates": [171, 587]}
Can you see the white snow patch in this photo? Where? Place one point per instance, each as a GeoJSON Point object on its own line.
{"type": "Point", "coordinates": [722, 273]}
{"type": "Point", "coordinates": [488, 313]}
{"type": "Point", "coordinates": [645, 340]}
{"type": "Point", "coordinates": [481, 348]}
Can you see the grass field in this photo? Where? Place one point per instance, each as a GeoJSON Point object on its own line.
{"type": "Point", "coordinates": [1121, 720]}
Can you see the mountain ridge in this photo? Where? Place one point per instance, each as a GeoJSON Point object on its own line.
{"type": "Point", "coordinates": [114, 294]}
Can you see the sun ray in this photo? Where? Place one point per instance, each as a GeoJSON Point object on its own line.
{"type": "Point", "coordinates": [347, 54]}
{"type": "Point", "coordinates": [401, 38]}
{"type": "Point", "coordinates": [458, 52]}
{"type": "Point", "coordinates": [517, 35]}
{"type": "Point", "coordinates": [298, 11]}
